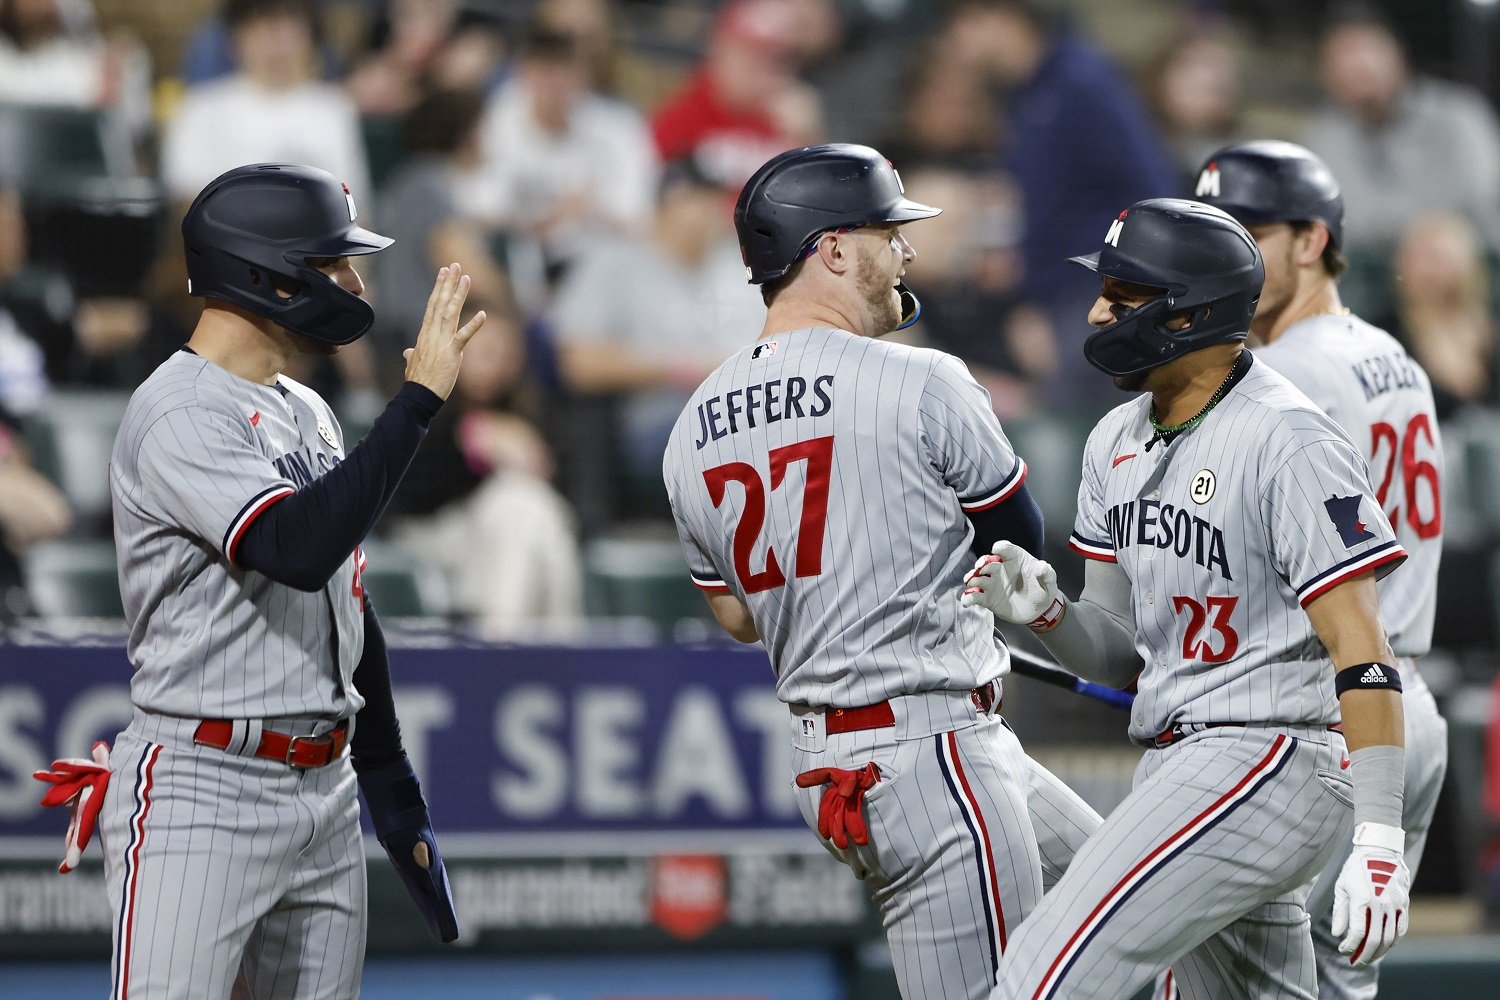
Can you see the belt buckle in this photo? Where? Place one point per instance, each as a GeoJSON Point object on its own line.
{"type": "Point", "coordinates": [291, 750]}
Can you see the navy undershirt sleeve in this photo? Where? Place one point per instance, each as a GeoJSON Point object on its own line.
{"type": "Point", "coordinates": [1016, 519]}
{"type": "Point", "coordinates": [301, 541]}
{"type": "Point", "coordinates": [377, 732]}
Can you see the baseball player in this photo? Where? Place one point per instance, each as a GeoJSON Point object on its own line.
{"type": "Point", "coordinates": [830, 489]}
{"type": "Point", "coordinates": [261, 687]}
{"type": "Point", "coordinates": [1361, 377]}
{"type": "Point", "coordinates": [1233, 543]}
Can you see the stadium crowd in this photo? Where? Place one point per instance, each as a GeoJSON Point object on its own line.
{"type": "Point", "coordinates": [581, 158]}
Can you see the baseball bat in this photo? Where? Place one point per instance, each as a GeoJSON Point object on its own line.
{"type": "Point", "coordinates": [1029, 665]}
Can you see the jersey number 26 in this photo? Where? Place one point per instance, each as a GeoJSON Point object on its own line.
{"type": "Point", "coordinates": [818, 453]}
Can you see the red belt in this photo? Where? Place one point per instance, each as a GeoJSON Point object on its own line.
{"type": "Point", "coordinates": [294, 751]}
{"type": "Point", "coordinates": [1169, 736]}
{"type": "Point", "coordinates": [879, 715]}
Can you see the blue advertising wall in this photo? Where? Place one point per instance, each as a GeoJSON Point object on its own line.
{"type": "Point", "coordinates": [585, 798]}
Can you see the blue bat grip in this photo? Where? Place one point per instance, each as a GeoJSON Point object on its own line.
{"type": "Point", "coordinates": [1108, 695]}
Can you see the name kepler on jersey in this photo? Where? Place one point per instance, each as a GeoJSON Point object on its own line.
{"type": "Point", "coordinates": [719, 416]}
{"type": "Point", "coordinates": [1387, 373]}
{"type": "Point", "coordinates": [1168, 526]}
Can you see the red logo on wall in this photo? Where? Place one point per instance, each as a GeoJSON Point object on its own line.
{"type": "Point", "coordinates": [689, 894]}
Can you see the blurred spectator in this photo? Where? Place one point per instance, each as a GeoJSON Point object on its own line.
{"type": "Point", "coordinates": [744, 103]}
{"type": "Point", "coordinates": [52, 53]}
{"type": "Point", "coordinates": [1080, 147]}
{"type": "Point", "coordinates": [417, 46]}
{"type": "Point", "coordinates": [1443, 312]}
{"type": "Point", "coordinates": [408, 40]}
{"type": "Point", "coordinates": [590, 23]}
{"type": "Point", "coordinates": [649, 318]}
{"type": "Point", "coordinates": [1194, 88]}
{"type": "Point", "coordinates": [852, 53]}
{"type": "Point", "coordinates": [24, 324]}
{"type": "Point", "coordinates": [947, 119]}
{"type": "Point", "coordinates": [272, 108]}
{"type": "Point", "coordinates": [562, 164]}
{"type": "Point", "coordinates": [968, 271]}
{"type": "Point", "coordinates": [424, 208]}
{"type": "Point", "coordinates": [31, 510]}
{"type": "Point", "coordinates": [477, 502]}
{"type": "Point", "coordinates": [1401, 144]}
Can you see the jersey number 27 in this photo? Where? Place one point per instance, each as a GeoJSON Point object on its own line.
{"type": "Point", "coordinates": [818, 453]}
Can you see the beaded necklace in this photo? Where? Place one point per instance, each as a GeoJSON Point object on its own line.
{"type": "Point", "coordinates": [1166, 432]}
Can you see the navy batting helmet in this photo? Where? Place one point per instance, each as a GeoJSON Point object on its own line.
{"type": "Point", "coordinates": [1271, 181]}
{"type": "Point", "coordinates": [1207, 267]}
{"type": "Point", "coordinates": [802, 193]}
{"type": "Point", "coordinates": [249, 235]}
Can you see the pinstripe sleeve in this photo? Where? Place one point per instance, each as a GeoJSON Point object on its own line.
{"type": "Point", "coordinates": [700, 567]}
{"type": "Point", "coordinates": [1091, 537]}
{"type": "Point", "coordinates": [963, 438]}
{"type": "Point", "coordinates": [208, 475]}
{"type": "Point", "coordinates": [1322, 522]}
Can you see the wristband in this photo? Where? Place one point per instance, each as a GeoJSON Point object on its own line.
{"type": "Point", "coordinates": [1367, 677]}
{"type": "Point", "coordinates": [1047, 620]}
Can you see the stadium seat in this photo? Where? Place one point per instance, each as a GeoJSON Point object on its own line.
{"type": "Point", "coordinates": [640, 577]}
{"type": "Point", "coordinates": [43, 145]}
{"type": "Point", "coordinates": [74, 578]}
{"type": "Point", "coordinates": [1482, 465]}
{"type": "Point", "coordinates": [70, 440]}
{"type": "Point", "coordinates": [401, 587]}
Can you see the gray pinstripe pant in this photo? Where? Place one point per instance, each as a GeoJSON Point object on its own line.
{"type": "Point", "coordinates": [953, 861]}
{"type": "Point", "coordinates": [1204, 867]}
{"type": "Point", "coordinates": [229, 873]}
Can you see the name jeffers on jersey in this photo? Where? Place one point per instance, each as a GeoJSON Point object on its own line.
{"type": "Point", "coordinates": [768, 402]}
{"type": "Point", "coordinates": [1387, 372]}
{"type": "Point", "coordinates": [1167, 526]}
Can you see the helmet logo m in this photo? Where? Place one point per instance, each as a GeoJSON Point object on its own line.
{"type": "Point", "coordinates": [1113, 236]}
{"type": "Point", "coordinates": [1208, 182]}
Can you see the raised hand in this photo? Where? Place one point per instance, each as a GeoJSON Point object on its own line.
{"type": "Point", "coordinates": [439, 351]}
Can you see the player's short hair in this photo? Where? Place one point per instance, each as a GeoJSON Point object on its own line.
{"type": "Point", "coordinates": [770, 289]}
{"type": "Point", "coordinates": [1334, 261]}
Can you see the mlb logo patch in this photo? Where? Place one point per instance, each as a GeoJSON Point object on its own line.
{"type": "Point", "coordinates": [763, 350]}
{"type": "Point", "coordinates": [1344, 513]}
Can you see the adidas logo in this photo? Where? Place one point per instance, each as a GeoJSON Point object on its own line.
{"type": "Point", "coordinates": [1373, 676]}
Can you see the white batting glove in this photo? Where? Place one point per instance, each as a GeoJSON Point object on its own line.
{"type": "Point", "coordinates": [1016, 586]}
{"type": "Point", "coordinates": [1372, 896]}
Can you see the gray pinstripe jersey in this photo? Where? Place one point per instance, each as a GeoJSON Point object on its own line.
{"type": "Point", "coordinates": [1367, 382]}
{"type": "Point", "coordinates": [1226, 534]}
{"type": "Point", "coordinates": [199, 454]}
{"type": "Point", "coordinates": [823, 478]}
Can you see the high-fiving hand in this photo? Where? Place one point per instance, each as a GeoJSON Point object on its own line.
{"type": "Point", "coordinates": [1015, 586]}
{"type": "Point", "coordinates": [435, 360]}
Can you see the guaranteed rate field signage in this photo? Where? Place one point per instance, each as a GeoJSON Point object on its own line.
{"type": "Point", "coordinates": [550, 747]}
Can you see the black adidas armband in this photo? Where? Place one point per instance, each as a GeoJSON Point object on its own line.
{"type": "Point", "coordinates": [1367, 677]}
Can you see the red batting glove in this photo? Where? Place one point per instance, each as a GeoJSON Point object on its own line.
{"type": "Point", "coordinates": [840, 815]}
{"type": "Point", "coordinates": [80, 784]}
